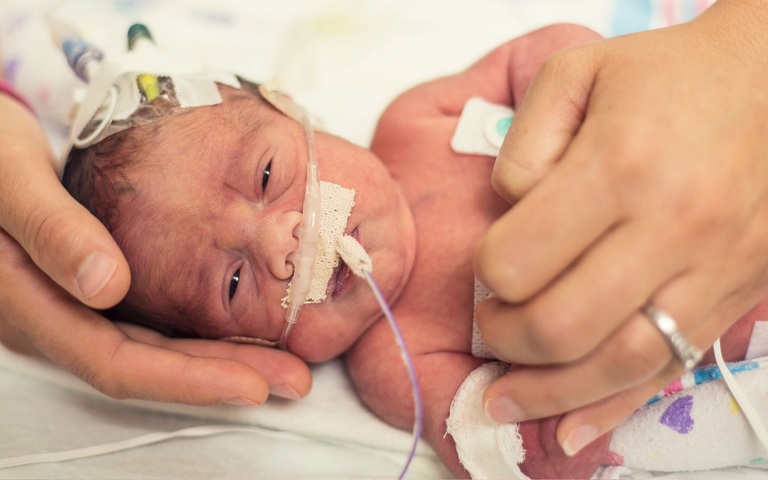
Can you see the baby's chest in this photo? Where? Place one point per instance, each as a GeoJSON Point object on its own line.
{"type": "Point", "coordinates": [438, 302]}
{"type": "Point", "coordinates": [437, 310]}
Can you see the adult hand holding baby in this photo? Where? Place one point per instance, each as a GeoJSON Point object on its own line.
{"type": "Point", "coordinates": [56, 259]}
{"type": "Point", "coordinates": [640, 166]}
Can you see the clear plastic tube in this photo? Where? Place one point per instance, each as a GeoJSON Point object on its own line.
{"type": "Point", "coordinates": [84, 59]}
{"type": "Point", "coordinates": [300, 283]}
{"type": "Point", "coordinates": [308, 238]}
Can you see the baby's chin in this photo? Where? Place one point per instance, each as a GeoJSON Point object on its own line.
{"type": "Point", "coordinates": [318, 349]}
{"type": "Point", "coordinates": [320, 335]}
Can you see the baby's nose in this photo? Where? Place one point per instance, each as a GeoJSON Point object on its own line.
{"type": "Point", "coordinates": [282, 243]}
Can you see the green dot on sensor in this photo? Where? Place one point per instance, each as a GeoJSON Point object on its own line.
{"type": "Point", "coordinates": [502, 126]}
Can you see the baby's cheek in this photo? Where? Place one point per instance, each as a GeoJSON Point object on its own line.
{"type": "Point", "coordinates": [545, 459]}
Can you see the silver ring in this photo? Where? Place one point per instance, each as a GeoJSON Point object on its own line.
{"type": "Point", "coordinates": [688, 355]}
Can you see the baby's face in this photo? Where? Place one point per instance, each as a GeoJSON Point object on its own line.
{"type": "Point", "coordinates": [225, 191]}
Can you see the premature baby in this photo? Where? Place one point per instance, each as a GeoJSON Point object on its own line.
{"type": "Point", "coordinates": [205, 205]}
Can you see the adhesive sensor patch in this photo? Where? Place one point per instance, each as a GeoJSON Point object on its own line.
{"type": "Point", "coordinates": [481, 128]}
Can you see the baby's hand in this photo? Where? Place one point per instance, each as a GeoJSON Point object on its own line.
{"type": "Point", "coordinates": [544, 458]}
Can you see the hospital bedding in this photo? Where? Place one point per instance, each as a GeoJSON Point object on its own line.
{"type": "Point", "coordinates": [345, 60]}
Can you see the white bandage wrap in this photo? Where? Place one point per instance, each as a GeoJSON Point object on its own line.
{"type": "Point", "coordinates": [680, 429]}
{"type": "Point", "coordinates": [336, 204]}
{"type": "Point", "coordinates": [486, 449]}
{"type": "Point", "coordinates": [696, 424]}
{"type": "Point", "coordinates": [481, 128]}
{"type": "Point", "coordinates": [194, 84]}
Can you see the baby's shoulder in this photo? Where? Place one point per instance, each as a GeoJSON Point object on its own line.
{"type": "Point", "coordinates": [419, 120]}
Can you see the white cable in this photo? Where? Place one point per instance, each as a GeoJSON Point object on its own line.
{"type": "Point", "coordinates": [144, 440]}
{"type": "Point", "coordinates": [738, 394]}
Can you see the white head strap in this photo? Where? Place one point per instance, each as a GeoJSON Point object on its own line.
{"type": "Point", "coordinates": [113, 93]}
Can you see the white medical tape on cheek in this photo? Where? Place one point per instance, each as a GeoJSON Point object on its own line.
{"type": "Point", "coordinates": [122, 70]}
{"type": "Point", "coordinates": [336, 204]}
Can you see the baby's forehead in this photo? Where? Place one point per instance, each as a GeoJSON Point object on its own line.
{"type": "Point", "coordinates": [239, 109]}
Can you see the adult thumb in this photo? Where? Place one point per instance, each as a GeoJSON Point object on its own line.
{"type": "Point", "coordinates": [546, 121]}
{"type": "Point", "coordinates": [60, 235]}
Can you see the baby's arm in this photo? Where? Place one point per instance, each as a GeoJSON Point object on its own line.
{"type": "Point", "coordinates": [383, 384]}
{"type": "Point", "coordinates": [382, 381]}
{"type": "Point", "coordinates": [502, 76]}
{"type": "Point", "coordinates": [413, 138]}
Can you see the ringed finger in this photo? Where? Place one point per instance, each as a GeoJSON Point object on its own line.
{"type": "Point", "coordinates": [631, 356]}
{"type": "Point", "coordinates": [567, 321]}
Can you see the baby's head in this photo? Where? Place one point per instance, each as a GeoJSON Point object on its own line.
{"type": "Point", "coordinates": [205, 205]}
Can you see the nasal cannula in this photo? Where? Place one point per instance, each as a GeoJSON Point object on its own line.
{"type": "Point", "coordinates": [300, 284]}
{"type": "Point", "coordinates": [308, 237]}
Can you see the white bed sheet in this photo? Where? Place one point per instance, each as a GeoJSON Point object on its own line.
{"type": "Point", "coordinates": [345, 60]}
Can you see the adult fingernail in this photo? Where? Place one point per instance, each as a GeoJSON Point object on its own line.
{"type": "Point", "coordinates": [241, 402]}
{"type": "Point", "coordinates": [285, 391]}
{"type": "Point", "coordinates": [95, 272]}
{"type": "Point", "coordinates": [579, 438]}
{"type": "Point", "coordinates": [503, 410]}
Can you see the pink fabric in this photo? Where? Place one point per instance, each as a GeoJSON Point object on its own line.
{"type": "Point", "coordinates": [8, 89]}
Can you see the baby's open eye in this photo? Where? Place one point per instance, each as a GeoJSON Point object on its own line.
{"type": "Point", "coordinates": [234, 283]}
{"type": "Point", "coordinates": [265, 178]}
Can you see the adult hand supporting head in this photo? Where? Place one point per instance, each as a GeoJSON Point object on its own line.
{"type": "Point", "coordinates": [55, 255]}
{"type": "Point", "coordinates": [641, 165]}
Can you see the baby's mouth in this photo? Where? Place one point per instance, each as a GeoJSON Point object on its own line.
{"type": "Point", "coordinates": [341, 278]}
{"type": "Point", "coordinates": [339, 281]}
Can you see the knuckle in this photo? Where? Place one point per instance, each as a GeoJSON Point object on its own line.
{"type": "Point", "coordinates": [636, 362]}
{"type": "Point", "coordinates": [100, 380]}
{"type": "Point", "coordinates": [558, 336]}
{"type": "Point", "coordinates": [700, 215]}
{"type": "Point", "coordinates": [559, 64]}
{"type": "Point", "coordinates": [551, 399]}
{"type": "Point", "coordinates": [40, 227]}
{"type": "Point", "coordinates": [100, 372]}
{"type": "Point", "coordinates": [497, 271]}
{"type": "Point", "coordinates": [513, 174]}
{"type": "Point", "coordinates": [504, 179]}
{"type": "Point", "coordinates": [632, 168]}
